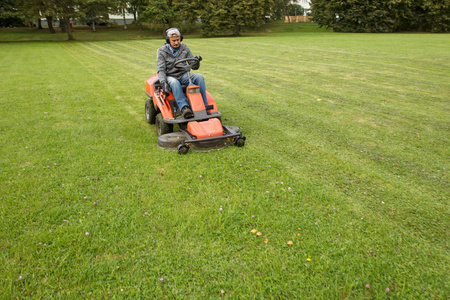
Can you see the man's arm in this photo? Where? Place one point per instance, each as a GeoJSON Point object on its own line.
{"type": "Point", "coordinates": [161, 69]}
{"type": "Point", "coordinates": [161, 66]}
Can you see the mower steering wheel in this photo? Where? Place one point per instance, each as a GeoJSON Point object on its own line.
{"type": "Point", "coordinates": [190, 60]}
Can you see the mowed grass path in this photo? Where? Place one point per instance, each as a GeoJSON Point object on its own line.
{"type": "Point", "coordinates": [346, 156]}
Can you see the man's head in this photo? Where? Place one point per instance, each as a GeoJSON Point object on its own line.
{"type": "Point", "coordinates": [174, 37]}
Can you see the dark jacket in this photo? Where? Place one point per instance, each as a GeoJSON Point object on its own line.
{"type": "Point", "coordinates": [165, 63]}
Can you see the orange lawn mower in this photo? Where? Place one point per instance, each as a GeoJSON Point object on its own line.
{"type": "Point", "coordinates": [204, 131]}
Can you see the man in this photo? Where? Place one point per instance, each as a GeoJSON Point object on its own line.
{"type": "Point", "coordinates": [171, 77]}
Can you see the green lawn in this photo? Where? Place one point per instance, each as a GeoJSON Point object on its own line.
{"type": "Point", "coordinates": [346, 156]}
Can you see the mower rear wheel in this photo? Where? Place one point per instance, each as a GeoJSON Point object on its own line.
{"type": "Point", "coordinates": [161, 126]}
{"type": "Point", "coordinates": [150, 112]}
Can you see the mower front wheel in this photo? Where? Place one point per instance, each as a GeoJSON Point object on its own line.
{"type": "Point", "coordinates": [183, 149]}
{"type": "Point", "coordinates": [150, 111]}
{"type": "Point", "coordinates": [161, 126]}
{"type": "Point", "coordinates": [239, 141]}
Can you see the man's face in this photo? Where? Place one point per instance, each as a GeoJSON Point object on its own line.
{"type": "Point", "coordinates": [175, 42]}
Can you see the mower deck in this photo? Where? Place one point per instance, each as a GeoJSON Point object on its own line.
{"type": "Point", "coordinates": [183, 138]}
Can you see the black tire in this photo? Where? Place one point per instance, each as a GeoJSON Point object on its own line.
{"type": "Point", "coordinates": [150, 112]}
{"type": "Point", "coordinates": [183, 149]}
{"type": "Point", "coordinates": [239, 141]}
{"type": "Point", "coordinates": [161, 126]}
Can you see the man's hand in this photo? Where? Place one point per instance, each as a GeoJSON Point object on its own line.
{"type": "Point", "coordinates": [196, 65]}
{"type": "Point", "coordinates": [165, 87]}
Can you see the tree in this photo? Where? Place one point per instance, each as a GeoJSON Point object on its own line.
{"type": "Point", "coordinates": [136, 7]}
{"type": "Point", "coordinates": [67, 9]}
{"type": "Point", "coordinates": [219, 16]}
{"type": "Point", "coordinates": [46, 9]}
{"type": "Point", "coordinates": [283, 8]}
{"type": "Point", "coordinates": [354, 15]}
{"type": "Point", "coordinates": [10, 14]}
{"type": "Point", "coordinates": [28, 11]}
{"type": "Point", "coordinates": [189, 10]}
{"type": "Point", "coordinates": [64, 10]}
{"type": "Point", "coordinates": [382, 16]}
{"type": "Point", "coordinates": [295, 10]}
{"type": "Point", "coordinates": [123, 5]}
{"type": "Point", "coordinates": [94, 11]}
{"type": "Point", "coordinates": [164, 12]}
{"type": "Point", "coordinates": [430, 15]}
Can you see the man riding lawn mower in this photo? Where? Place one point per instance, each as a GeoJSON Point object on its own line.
{"type": "Point", "coordinates": [179, 97]}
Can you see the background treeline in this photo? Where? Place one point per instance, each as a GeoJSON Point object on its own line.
{"type": "Point", "coordinates": [231, 16]}
{"type": "Point", "coordinates": [382, 16]}
{"type": "Point", "coordinates": [217, 16]}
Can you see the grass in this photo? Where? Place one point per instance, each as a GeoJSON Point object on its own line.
{"type": "Point", "coordinates": [80, 33]}
{"type": "Point", "coordinates": [346, 156]}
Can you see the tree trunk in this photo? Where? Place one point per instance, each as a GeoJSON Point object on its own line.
{"type": "Point", "coordinates": [124, 20]}
{"type": "Point", "coordinates": [50, 24]}
{"type": "Point", "coordinates": [39, 21]}
{"type": "Point", "coordinates": [237, 29]}
{"type": "Point", "coordinates": [93, 26]}
{"type": "Point", "coordinates": [69, 30]}
{"type": "Point", "coordinates": [420, 27]}
{"type": "Point", "coordinates": [62, 25]}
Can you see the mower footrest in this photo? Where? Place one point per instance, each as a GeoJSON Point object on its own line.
{"type": "Point", "coordinates": [205, 129]}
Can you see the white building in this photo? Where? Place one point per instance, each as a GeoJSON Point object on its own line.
{"type": "Point", "coordinates": [118, 19]}
{"type": "Point", "coordinates": [305, 4]}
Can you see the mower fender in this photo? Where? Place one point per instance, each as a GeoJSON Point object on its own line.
{"type": "Point", "coordinates": [150, 87]}
{"type": "Point", "coordinates": [164, 107]}
{"type": "Point", "coordinates": [212, 102]}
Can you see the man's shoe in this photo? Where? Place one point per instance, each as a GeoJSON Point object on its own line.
{"type": "Point", "coordinates": [187, 112]}
{"type": "Point", "coordinates": [208, 108]}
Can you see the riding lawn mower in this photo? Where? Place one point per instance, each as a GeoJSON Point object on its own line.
{"type": "Point", "coordinates": [204, 131]}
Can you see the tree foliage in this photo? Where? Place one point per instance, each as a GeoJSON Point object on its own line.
{"type": "Point", "coordinates": [94, 11]}
{"type": "Point", "coordinates": [161, 11]}
{"type": "Point", "coordinates": [382, 16]}
{"type": "Point", "coordinates": [295, 10]}
{"type": "Point", "coordinates": [221, 16]}
{"type": "Point", "coordinates": [283, 8]}
{"type": "Point", "coordinates": [217, 16]}
{"type": "Point", "coordinates": [231, 16]}
{"type": "Point", "coordinates": [11, 13]}
{"type": "Point", "coordinates": [136, 7]}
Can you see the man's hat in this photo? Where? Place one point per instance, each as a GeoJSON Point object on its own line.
{"type": "Point", "coordinates": [173, 32]}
